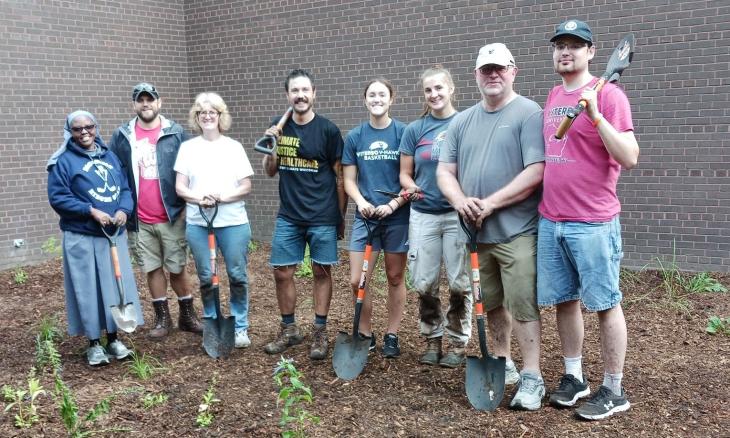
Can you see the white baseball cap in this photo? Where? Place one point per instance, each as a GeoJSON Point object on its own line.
{"type": "Point", "coordinates": [496, 53]}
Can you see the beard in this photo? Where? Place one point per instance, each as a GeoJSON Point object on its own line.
{"type": "Point", "coordinates": [150, 119]}
{"type": "Point", "coordinates": [305, 110]}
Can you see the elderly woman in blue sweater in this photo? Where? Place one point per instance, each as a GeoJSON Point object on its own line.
{"type": "Point", "coordinates": [88, 190]}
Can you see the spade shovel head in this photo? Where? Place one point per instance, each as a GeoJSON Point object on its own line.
{"type": "Point", "coordinates": [219, 332]}
{"type": "Point", "coordinates": [350, 355]}
{"type": "Point", "coordinates": [485, 381]}
{"type": "Point", "coordinates": [125, 317]}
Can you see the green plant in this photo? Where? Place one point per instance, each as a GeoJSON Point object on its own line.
{"type": "Point", "coordinates": [718, 326]}
{"type": "Point", "coordinates": [143, 366]}
{"type": "Point", "coordinates": [24, 401]}
{"type": "Point", "coordinates": [151, 400]}
{"type": "Point", "coordinates": [45, 348]}
{"type": "Point", "coordinates": [100, 408]}
{"type": "Point", "coordinates": [252, 245]}
{"type": "Point", "coordinates": [293, 393]}
{"type": "Point", "coordinates": [703, 282]}
{"type": "Point", "coordinates": [205, 409]}
{"type": "Point", "coordinates": [673, 284]}
{"type": "Point", "coordinates": [51, 247]}
{"type": "Point", "coordinates": [305, 268]}
{"type": "Point", "coordinates": [20, 276]}
{"type": "Point", "coordinates": [409, 281]}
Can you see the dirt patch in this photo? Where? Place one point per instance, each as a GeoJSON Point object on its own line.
{"type": "Point", "coordinates": [675, 376]}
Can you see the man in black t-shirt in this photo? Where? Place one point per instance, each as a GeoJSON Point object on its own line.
{"type": "Point", "coordinates": [311, 211]}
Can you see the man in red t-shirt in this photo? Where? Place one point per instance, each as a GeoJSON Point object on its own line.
{"type": "Point", "coordinates": [147, 146]}
{"type": "Point", "coordinates": [579, 235]}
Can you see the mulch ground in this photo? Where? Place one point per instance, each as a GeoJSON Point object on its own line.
{"type": "Point", "coordinates": [676, 374]}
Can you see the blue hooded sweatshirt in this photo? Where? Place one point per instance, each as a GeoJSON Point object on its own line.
{"type": "Point", "coordinates": [77, 182]}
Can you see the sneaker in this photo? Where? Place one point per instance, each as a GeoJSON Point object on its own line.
{"type": "Point", "coordinates": [570, 390]}
{"type": "Point", "coordinates": [432, 355]}
{"type": "Point", "coordinates": [96, 355]}
{"type": "Point", "coordinates": [289, 335]}
{"type": "Point", "coordinates": [603, 404]}
{"type": "Point", "coordinates": [242, 340]}
{"type": "Point", "coordinates": [391, 348]}
{"type": "Point", "coordinates": [511, 374]}
{"type": "Point", "coordinates": [529, 394]}
{"type": "Point", "coordinates": [118, 351]}
{"type": "Point", "coordinates": [319, 347]}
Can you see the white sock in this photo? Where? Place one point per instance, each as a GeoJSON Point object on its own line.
{"type": "Point", "coordinates": [154, 300]}
{"type": "Point", "coordinates": [186, 297]}
{"type": "Point", "coordinates": [613, 382]}
{"type": "Point", "coordinates": [574, 366]}
{"type": "Point", "coordinates": [509, 364]}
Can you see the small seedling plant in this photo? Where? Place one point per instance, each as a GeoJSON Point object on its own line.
{"type": "Point", "coordinates": [205, 409]}
{"type": "Point", "coordinates": [24, 401]}
{"type": "Point", "coordinates": [20, 276]}
{"type": "Point", "coordinates": [293, 394]}
{"type": "Point", "coordinates": [150, 400]}
{"type": "Point", "coordinates": [143, 366]}
{"type": "Point", "coordinates": [718, 326]}
{"type": "Point", "coordinates": [51, 247]}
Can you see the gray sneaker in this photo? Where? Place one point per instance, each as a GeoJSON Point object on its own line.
{"type": "Point", "coordinates": [603, 404]}
{"type": "Point", "coordinates": [530, 392]}
{"type": "Point", "coordinates": [96, 355]}
{"type": "Point", "coordinates": [118, 350]}
{"type": "Point", "coordinates": [511, 374]}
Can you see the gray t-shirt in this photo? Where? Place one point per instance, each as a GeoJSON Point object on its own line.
{"type": "Point", "coordinates": [490, 149]}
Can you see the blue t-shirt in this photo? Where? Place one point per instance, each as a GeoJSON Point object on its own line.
{"type": "Point", "coordinates": [423, 140]}
{"type": "Point", "coordinates": [306, 155]}
{"type": "Point", "coordinates": [375, 153]}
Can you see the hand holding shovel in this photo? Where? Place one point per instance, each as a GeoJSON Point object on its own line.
{"type": "Point", "coordinates": [267, 144]}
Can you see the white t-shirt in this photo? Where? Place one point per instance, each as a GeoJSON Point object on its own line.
{"type": "Point", "coordinates": [214, 167]}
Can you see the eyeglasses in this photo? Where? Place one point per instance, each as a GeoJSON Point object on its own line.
{"type": "Point", "coordinates": [210, 114]}
{"type": "Point", "coordinates": [80, 129]}
{"type": "Point", "coordinates": [573, 47]}
{"type": "Point", "coordinates": [490, 68]}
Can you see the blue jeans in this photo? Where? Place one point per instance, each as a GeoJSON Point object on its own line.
{"type": "Point", "coordinates": [579, 260]}
{"type": "Point", "coordinates": [233, 244]}
{"type": "Point", "coordinates": [289, 241]}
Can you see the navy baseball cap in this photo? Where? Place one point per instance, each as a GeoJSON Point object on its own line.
{"type": "Point", "coordinates": [144, 87]}
{"type": "Point", "coordinates": [576, 28]}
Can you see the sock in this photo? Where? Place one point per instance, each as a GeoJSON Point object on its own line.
{"type": "Point", "coordinates": [155, 300]}
{"type": "Point", "coordinates": [288, 318]}
{"type": "Point", "coordinates": [574, 366]}
{"type": "Point", "coordinates": [613, 382]}
{"type": "Point", "coordinates": [111, 337]}
{"type": "Point", "coordinates": [93, 342]}
{"type": "Point", "coordinates": [320, 319]}
{"type": "Point", "coordinates": [186, 297]}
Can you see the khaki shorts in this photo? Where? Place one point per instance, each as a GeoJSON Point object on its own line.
{"type": "Point", "coordinates": [510, 267]}
{"type": "Point", "coordinates": [162, 245]}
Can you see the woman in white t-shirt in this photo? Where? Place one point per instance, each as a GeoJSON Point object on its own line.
{"type": "Point", "coordinates": [213, 169]}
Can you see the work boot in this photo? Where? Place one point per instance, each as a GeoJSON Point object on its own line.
{"type": "Point", "coordinates": [288, 335]}
{"type": "Point", "coordinates": [433, 351]}
{"type": "Point", "coordinates": [188, 320]}
{"type": "Point", "coordinates": [454, 358]}
{"type": "Point", "coordinates": [163, 321]}
{"type": "Point", "coordinates": [318, 349]}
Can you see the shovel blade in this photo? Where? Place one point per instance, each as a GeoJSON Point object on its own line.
{"type": "Point", "coordinates": [218, 336]}
{"type": "Point", "coordinates": [350, 355]}
{"type": "Point", "coordinates": [485, 382]}
{"type": "Point", "coordinates": [125, 317]}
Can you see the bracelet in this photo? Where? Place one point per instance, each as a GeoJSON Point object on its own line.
{"type": "Point", "coordinates": [598, 120]}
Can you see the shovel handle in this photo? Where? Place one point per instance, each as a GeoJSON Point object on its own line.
{"type": "Point", "coordinates": [570, 117]}
{"type": "Point", "coordinates": [267, 144]}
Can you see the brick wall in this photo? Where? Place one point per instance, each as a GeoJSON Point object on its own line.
{"type": "Point", "coordinates": [675, 201]}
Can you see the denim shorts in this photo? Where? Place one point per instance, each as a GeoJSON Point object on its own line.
{"type": "Point", "coordinates": [289, 241]}
{"type": "Point", "coordinates": [391, 238]}
{"type": "Point", "coordinates": [579, 260]}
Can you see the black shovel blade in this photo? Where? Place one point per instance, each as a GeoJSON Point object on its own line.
{"type": "Point", "coordinates": [350, 355]}
{"type": "Point", "coordinates": [218, 336]}
{"type": "Point", "coordinates": [485, 382]}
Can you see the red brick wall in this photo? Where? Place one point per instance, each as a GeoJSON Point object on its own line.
{"type": "Point", "coordinates": [62, 58]}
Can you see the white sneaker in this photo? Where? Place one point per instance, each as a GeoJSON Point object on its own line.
{"type": "Point", "coordinates": [530, 393]}
{"type": "Point", "coordinates": [118, 350]}
{"type": "Point", "coordinates": [242, 340]}
{"type": "Point", "coordinates": [96, 355]}
{"type": "Point", "coordinates": [511, 374]}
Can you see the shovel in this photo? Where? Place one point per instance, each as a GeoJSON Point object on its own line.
{"type": "Point", "coordinates": [267, 144]}
{"type": "Point", "coordinates": [351, 350]}
{"type": "Point", "coordinates": [124, 315]}
{"type": "Point", "coordinates": [484, 375]}
{"type": "Point", "coordinates": [218, 332]}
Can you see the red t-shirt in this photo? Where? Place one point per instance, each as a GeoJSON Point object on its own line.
{"type": "Point", "coordinates": [579, 184]}
{"type": "Point", "coordinates": [150, 208]}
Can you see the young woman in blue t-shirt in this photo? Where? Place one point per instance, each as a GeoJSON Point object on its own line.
{"type": "Point", "coordinates": [371, 162]}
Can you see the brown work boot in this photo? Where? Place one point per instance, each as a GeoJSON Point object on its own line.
{"type": "Point", "coordinates": [163, 321]}
{"type": "Point", "coordinates": [318, 349]}
{"type": "Point", "coordinates": [288, 336]}
{"type": "Point", "coordinates": [188, 320]}
{"type": "Point", "coordinates": [455, 357]}
{"type": "Point", "coordinates": [433, 351]}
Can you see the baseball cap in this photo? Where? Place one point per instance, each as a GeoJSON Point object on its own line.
{"type": "Point", "coordinates": [496, 53]}
{"type": "Point", "coordinates": [144, 87]}
{"type": "Point", "coordinates": [574, 28]}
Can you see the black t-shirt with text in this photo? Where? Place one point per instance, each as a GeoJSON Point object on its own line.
{"type": "Point", "coordinates": [306, 155]}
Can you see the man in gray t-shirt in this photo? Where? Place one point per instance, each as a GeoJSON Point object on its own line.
{"type": "Point", "coordinates": [490, 170]}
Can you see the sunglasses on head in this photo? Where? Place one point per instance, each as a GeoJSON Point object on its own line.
{"type": "Point", "coordinates": [80, 129]}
